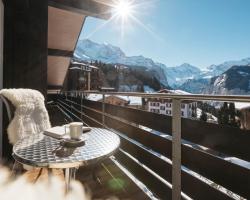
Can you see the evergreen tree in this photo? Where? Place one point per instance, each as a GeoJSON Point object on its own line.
{"type": "Point", "coordinates": [203, 116]}
{"type": "Point", "coordinates": [227, 115]}
{"type": "Point", "coordinates": [224, 114]}
{"type": "Point", "coordinates": [194, 115]}
{"type": "Point", "coordinates": [232, 116]}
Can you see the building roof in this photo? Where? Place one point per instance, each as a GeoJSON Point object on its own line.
{"type": "Point", "coordinates": [133, 101]}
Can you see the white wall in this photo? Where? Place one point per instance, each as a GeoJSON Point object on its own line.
{"type": "Point", "coordinates": [1, 69]}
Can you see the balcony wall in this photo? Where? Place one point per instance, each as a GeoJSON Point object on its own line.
{"type": "Point", "coordinates": [143, 149]}
{"type": "Point", "coordinates": [1, 58]}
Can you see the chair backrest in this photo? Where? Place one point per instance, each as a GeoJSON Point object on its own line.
{"type": "Point", "coordinates": [9, 107]}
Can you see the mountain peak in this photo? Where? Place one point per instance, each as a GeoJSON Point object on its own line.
{"type": "Point", "coordinates": [89, 51]}
{"type": "Point", "coordinates": [109, 53]}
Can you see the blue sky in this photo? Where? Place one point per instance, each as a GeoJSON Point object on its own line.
{"type": "Point", "coordinates": [199, 32]}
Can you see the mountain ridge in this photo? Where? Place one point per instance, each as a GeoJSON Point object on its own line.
{"type": "Point", "coordinates": [185, 76]}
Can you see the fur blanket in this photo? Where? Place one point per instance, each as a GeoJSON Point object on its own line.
{"type": "Point", "coordinates": [52, 189]}
{"type": "Point", "coordinates": [31, 116]}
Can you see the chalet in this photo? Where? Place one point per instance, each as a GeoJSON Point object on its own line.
{"type": "Point", "coordinates": [164, 106]}
{"type": "Point", "coordinates": [129, 101]}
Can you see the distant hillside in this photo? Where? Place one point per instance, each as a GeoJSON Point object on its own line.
{"type": "Point", "coordinates": [180, 74]}
{"type": "Point", "coordinates": [128, 79]}
{"type": "Point", "coordinates": [185, 77]}
{"type": "Point", "coordinates": [88, 50]}
{"type": "Point", "coordinates": [195, 86]}
{"type": "Point", "coordinates": [235, 80]}
{"type": "Point", "coordinates": [200, 83]}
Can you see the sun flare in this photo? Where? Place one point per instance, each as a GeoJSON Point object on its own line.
{"type": "Point", "coordinates": [123, 8]}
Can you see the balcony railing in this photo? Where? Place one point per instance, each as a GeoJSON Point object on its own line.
{"type": "Point", "coordinates": [176, 158]}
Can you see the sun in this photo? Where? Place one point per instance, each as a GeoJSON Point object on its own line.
{"type": "Point", "coordinates": [123, 8]}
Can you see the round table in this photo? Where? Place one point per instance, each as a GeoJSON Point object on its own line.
{"type": "Point", "coordinates": [40, 151]}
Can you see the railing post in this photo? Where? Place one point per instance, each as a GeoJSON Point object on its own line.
{"type": "Point", "coordinates": [103, 109]}
{"type": "Point", "coordinates": [176, 149]}
{"type": "Point", "coordinates": [81, 105]}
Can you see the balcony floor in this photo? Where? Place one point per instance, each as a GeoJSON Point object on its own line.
{"type": "Point", "coordinates": [112, 181]}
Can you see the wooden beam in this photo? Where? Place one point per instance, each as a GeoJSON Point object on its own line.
{"type": "Point", "coordinates": [86, 7]}
{"type": "Point", "coordinates": [59, 52]}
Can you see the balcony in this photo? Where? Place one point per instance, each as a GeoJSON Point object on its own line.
{"type": "Point", "coordinates": [166, 157]}
{"type": "Point", "coordinates": [161, 157]}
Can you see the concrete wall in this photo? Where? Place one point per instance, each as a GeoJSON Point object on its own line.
{"type": "Point", "coordinates": [1, 68]}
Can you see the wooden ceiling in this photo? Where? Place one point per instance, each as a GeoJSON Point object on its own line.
{"type": "Point", "coordinates": [63, 30]}
{"type": "Point", "coordinates": [65, 21]}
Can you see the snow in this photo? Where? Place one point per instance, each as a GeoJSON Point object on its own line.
{"type": "Point", "coordinates": [207, 77]}
{"type": "Point", "coordinates": [133, 101]}
{"type": "Point", "coordinates": [148, 89]}
{"type": "Point", "coordinates": [220, 80]}
{"type": "Point", "coordinates": [243, 73]}
{"type": "Point", "coordinates": [240, 106]}
{"type": "Point", "coordinates": [179, 92]}
{"type": "Point", "coordinates": [94, 97]}
{"type": "Point", "coordinates": [238, 162]}
{"type": "Point", "coordinates": [211, 118]}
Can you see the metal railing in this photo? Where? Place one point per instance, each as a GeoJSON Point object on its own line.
{"type": "Point", "coordinates": [176, 120]}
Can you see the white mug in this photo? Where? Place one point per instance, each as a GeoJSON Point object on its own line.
{"type": "Point", "coordinates": [75, 130]}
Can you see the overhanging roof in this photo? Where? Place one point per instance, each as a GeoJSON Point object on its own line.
{"type": "Point", "coordinates": [65, 21]}
{"type": "Point", "coordinates": [94, 8]}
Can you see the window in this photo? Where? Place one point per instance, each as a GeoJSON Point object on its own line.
{"type": "Point", "coordinates": [162, 107]}
{"type": "Point", "coordinates": [182, 105]}
{"type": "Point", "coordinates": [182, 113]}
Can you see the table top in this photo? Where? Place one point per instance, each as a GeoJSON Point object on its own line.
{"type": "Point", "coordinates": [39, 150]}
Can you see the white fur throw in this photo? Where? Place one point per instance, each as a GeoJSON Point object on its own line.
{"type": "Point", "coordinates": [53, 189]}
{"type": "Point", "coordinates": [31, 116]}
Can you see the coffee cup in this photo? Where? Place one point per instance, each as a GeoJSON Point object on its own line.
{"type": "Point", "coordinates": [75, 130]}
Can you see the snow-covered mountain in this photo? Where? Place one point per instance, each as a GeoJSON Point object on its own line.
{"type": "Point", "coordinates": [90, 51]}
{"type": "Point", "coordinates": [200, 83]}
{"type": "Point", "coordinates": [236, 80]}
{"type": "Point", "coordinates": [186, 77]}
{"type": "Point", "coordinates": [216, 70]}
{"type": "Point", "coordinates": [195, 86]}
{"type": "Point", "coordinates": [180, 74]}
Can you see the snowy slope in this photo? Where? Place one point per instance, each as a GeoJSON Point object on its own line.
{"type": "Point", "coordinates": [235, 80]}
{"type": "Point", "coordinates": [180, 74]}
{"type": "Point", "coordinates": [90, 51]}
{"type": "Point", "coordinates": [185, 77]}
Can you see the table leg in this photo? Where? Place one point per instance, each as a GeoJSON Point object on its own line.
{"type": "Point", "coordinates": [69, 175]}
{"type": "Point", "coordinates": [50, 174]}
